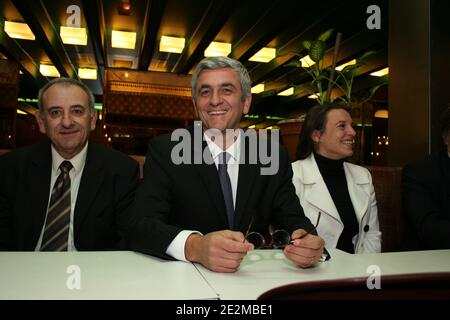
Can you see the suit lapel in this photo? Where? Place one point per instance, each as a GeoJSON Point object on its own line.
{"type": "Point", "coordinates": [358, 188]}
{"type": "Point", "coordinates": [210, 178]}
{"type": "Point", "coordinates": [246, 176]}
{"type": "Point", "coordinates": [316, 191]}
{"type": "Point", "coordinates": [40, 177]}
{"type": "Point", "coordinates": [91, 180]}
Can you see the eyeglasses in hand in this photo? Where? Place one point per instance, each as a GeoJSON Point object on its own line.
{"type": "Point", "coordinates": [279, 238]}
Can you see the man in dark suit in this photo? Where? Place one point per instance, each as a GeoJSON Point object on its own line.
{"type": "Point", "coordinates": [197, 201]}
{"type": "Point", "coordinates": [426, 197]}
{"type": "Point", "coordinates": [68, 194]}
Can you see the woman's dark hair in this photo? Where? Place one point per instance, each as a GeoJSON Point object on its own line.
{"type": "Point", "coordinates": [316, 119]}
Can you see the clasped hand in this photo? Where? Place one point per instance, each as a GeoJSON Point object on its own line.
{"type": "Point", "coordinates": [223, 251]}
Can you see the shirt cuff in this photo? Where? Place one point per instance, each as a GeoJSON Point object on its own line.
{"type": "Point", "coordinates": [176, 247]}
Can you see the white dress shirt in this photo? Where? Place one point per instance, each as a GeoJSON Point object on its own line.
{"type": "Point", "coordinates": [75, 177]}
{"type": "Point", "coordinates": [176, 247]}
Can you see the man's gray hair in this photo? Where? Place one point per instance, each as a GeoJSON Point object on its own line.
{"type": "Point", "coordinates": [224, 62]}
{"type": "Point", "coordinates": [66, 82]}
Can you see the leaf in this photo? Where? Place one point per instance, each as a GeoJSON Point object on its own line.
{"type": "Point", "coordinates": [324, 36]}
{"type": "Point", "coordinates": [317, 50]}
{"type": "Point", "coordinates": [365, 56]}
{"type": "Point", "coordinates": [351, 67]}
{"type": "Point", "coordinates": [374, 89]}
{"type": "Point", "coordinates": [293, 63]}
{"type": "Point", "coordinates": [306, 44]}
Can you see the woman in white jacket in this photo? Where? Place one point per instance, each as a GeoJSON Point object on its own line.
{"type": "Point", "coordinates": [326, 183]}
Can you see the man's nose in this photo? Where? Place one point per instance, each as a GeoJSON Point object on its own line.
{"type": "Point", "coordinates": [66, 120]}
{"type": "Point", "coordinates": [216, 98]}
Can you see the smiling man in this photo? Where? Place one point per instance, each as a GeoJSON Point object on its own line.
{"type": "Point", "coordinates": [66, 194]}
{"type": "Point", "coordinates": [199, 212]}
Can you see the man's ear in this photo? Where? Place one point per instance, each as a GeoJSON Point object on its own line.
{"type": "Point", "coordinates": [247, 104]}
{"type": "Point", "coordinates": [315, 136]}
{"type": "Point", "coordinates": [40, 121]}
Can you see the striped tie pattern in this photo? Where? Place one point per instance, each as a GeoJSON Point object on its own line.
{"type": "Point", "coordinates": [225, 183]}
{"type": "Point", "coordinates": [56, 232]}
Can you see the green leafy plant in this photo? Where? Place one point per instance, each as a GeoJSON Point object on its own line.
{"type": "Point", "coordinates": [321, 77]}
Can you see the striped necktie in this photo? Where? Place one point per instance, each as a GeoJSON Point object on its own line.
{"type": "Point", "coordinates": [56, 232]}
{"type": "Point", "coordinates": [225, 183]}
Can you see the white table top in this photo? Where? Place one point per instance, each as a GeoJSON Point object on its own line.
{"type": "Point", "coordinates": [262, 270]}
{"type": "Point", "coordinates": [104, 275]}
{"type": "Point", "coordinates": [129, 275]}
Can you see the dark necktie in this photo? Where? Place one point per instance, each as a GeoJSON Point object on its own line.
{"type": "Point", "coordinates": [225, 183]}
{"type": "Point", "coordinates": [56, 232]}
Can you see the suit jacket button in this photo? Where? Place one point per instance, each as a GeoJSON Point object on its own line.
{"type": "Point", "coordinates": [366, 228]}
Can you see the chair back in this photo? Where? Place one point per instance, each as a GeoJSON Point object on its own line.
{"type": "Point", "coordinates": [433, 286]}
{"type": "Point", "coordinates": [387, 182]}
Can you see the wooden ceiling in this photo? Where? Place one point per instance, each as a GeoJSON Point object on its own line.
{"type": "Point", "coordinates": [248, 25]}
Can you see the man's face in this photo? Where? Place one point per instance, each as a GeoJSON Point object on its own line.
{"type": "Point", "coordinates": [66, 119]}
{"type": "Point", "coordinates": [218, 99]}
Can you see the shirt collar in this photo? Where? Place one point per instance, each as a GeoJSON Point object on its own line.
{"type": "Point", "coordinates": [234, 150]}
{"type": "Point", "coordinates": [77, 161]}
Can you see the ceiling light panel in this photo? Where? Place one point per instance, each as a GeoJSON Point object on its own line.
{"type": "Point", "coordinates": [76, 36]}
{"type": "Point", "coordinates": [287, 92]}
{"type": "Point", "coordinates": [258, 88]}
{"type": "Point", "coordinates": [218, 49]}
{"type": "Point", "coordinates": [49, 70]}
{"type": "Point", "coordinates": [171, 44]}
{"type": "Point", "coordinates": [264, 55]}
{"type": "Point", "coordinates": [342, 66]}
{"type": "Point", "coordinates": [307, 62]}
{"type": "Point", "coordinates": [18, 30]}
{"type": "Point", "coordinates": [87, 73]}
{"type": "Point", "coordinates": [380, 73]}
{"type": "Point", "coordinates": [123, 39]}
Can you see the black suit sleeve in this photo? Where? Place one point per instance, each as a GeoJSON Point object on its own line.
{"type": "Point", "coordinates": [125, 189]}
{"type": "Point", "coordinates": [151, 232]}
{"type": "Point", "coordinates": [287, 212]}
{"type": "Point", "coordinates": [430, 223]}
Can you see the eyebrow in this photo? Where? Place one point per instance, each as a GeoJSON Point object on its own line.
{"type": "Point", "coordinates": [225, 84]}
{"type": "Point", "coordinates": [71, 107]}
{"type": "Point", "coordinates": [343, 121]}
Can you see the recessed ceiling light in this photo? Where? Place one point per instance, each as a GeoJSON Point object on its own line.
{"type": "Point", "coordinates": [342, 66]}
{"type": "Point", "coordinates": [70, 35]}
{"type": "Point", "coordinates": [124, 7]}
{"type": "Point", "coordinates": [171, 44]}
{"type": "Point", "coordinates": [49, 70]}
{"type": "Point", "coordinates": [287, 92]}
{"type": "Point", "coordinates": [258, 88]}
{"type": "Point", "coordinates": [380, 73]}
{"type": "Point", "coordinates": [264, 55]}
{"type": "Point", "coordinates": [87, 73]}
{"type": "Point", "coordinates": [18, 30]}
{"type": "Point", "coordinates": [123, 39]}
{"type": "Point", "coordinates": [307, 62]}
{"type": "Point", "coordinates": [218, 49]}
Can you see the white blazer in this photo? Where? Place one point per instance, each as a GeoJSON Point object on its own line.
{"type": "Point", "coordinates": [314, 197]}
